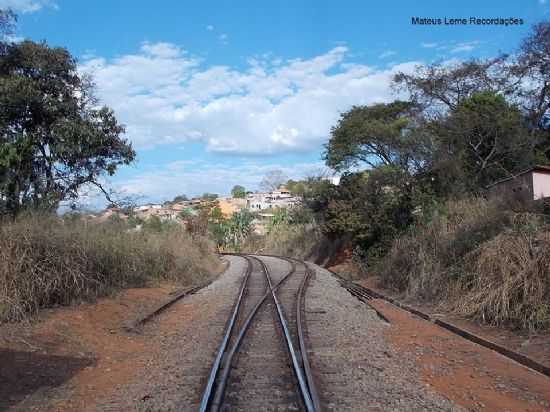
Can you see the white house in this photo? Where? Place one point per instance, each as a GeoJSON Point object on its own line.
{"type": "Point", "coordinates": [280, 197]}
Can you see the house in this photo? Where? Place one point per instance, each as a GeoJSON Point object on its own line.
{"type": "Point", "coordinates": [529, 185]}
{"type": "Point", "coordinates": [162, 212]}
{"type": "Point", "coordinates": [179, 206]}
{"type": "Point", "coordinates": [166, 212]}
{"type": "Point", "coordinates": [279, 198]}
{"type": "Point", "coordinates": [110, 212]}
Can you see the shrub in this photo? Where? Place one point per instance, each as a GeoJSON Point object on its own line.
{"type": "Point", "coordinates": [509, 281]}
{"type": "Point", "coordinates": [480, 258]}
{"type": "Point", "coordinates": [429, 250]}
{"type": "Point", "coordinates": [46, 260]}
{"type": "Point", "coordinates": [293, 240]}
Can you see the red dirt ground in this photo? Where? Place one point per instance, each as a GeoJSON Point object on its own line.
{"type": "Point", "coordinates": [84, 347]}
{"type": "Point", "coordinates": [533, 345]}
{"type": "Point", "coordinates": [471, 375]}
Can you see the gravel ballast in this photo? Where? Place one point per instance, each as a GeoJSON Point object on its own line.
{"type": "Point", "coordinates": [354, 367]}
{"type": "Point", "coordinates": [189, 334]}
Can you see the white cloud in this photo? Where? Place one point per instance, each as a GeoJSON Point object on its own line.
{"type": "Point", "coordinates": [181, 178]}
{"type": "Point", "coordinates": [223, 38]}
{"type": "Point", "coordinates": [162, 50]}
{"type": "Point", "coordinates": [453, 47]}
{"type": "Point", "coordinates": [13, 39]}
{"type": "Point", "coordinates": [386, 54]}
{"type": "Point", "coordinates": [210, 27]}
{"type": "Point", "coordinates": [164, 96]}
{"type": "Point", "coordinates": [465, 47]}
{"type": "Point", "coordinates": [26, 6]}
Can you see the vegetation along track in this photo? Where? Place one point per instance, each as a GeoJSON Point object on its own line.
{"type": "Point", "coordinates": [270, 367]}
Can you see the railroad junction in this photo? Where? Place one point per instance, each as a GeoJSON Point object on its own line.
{"type": "Point", "coordinates": [279, 334]}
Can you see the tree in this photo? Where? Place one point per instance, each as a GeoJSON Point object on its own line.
{"type": "Point", "coordinates": [532, 72]}
{"type": "Point", "coordinates": [180, 198]}
{"type": "Point", "coordinates": [273, 180]}
{"type": "Point", "coordinates": [154, 224]}
{"type": "Point", "coordinates": [280, 217]}
{"type": "Point", "coordinates": [209, 196]}
{"type": "Point", "coordinates": [230, 232]}
{"type": "Point", "coordinates": [296, 187]}
{"type": "Point", "coordinates": [238, 228]}
{"type": "Point", "coordinates": [439, 87]}
{"type": "Point", "coordinates": [381, 134]}
{"type": "Point", "coordinates": [215, 214]}
{"type": "Point", "coordinates": [54, 140]}
{"type": "Point", "coordinates": [486, 139]}
{"type": "Point", "coordinates": [238, 192]}
{"type": "Point", "coordinates": [372, 208]}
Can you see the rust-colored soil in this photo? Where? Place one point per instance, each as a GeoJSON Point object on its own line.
{"type": "Point", "coordinates": [84, 347]}
{"type": "Point", "coordinates": [342, 256]}
{"type": "Point", "coordinates": [472, 376]}
{"type": "Point", "coordinates": [469, 374]}
{"type": "Point", "coordinates": [533, 345]}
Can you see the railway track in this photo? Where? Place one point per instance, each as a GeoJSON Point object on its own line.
{"type": "Point", "coordinates": [261, 363]}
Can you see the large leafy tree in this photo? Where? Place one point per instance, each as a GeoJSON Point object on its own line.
{"type": "Point", "coordinates": [54, 138]}
{"type": "Point", "coordinates": [381, 134]}
{"type": "Point", "coordinates": [484, 139]}
{"type": "Point", "coordinates": [238, 191]}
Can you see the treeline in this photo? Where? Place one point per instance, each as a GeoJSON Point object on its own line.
{"type": "Point", "coordinates": [411, 201]}
{"type": "Point", "coordinates": [464, 126]}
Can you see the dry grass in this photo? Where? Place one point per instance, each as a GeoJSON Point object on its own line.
{"type": "Point", "coordinates": [509, 280]}
{"type": "Point", "coordinates": [478, 259]}
{"type": "Point", "coordinates": [293, 240]}
{"type": "Point", "coordinates": [47, 261]}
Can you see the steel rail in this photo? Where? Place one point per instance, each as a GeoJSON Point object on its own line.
{"type": "Point", "coordinates": [300, 305]}
{"type": "Point", "coordinates": [297, 369]}
{"type": "Point", "coordinates": [207, 394]}
{"type": "Point", "coordinates": [223, 378]}
{"type": "Point", "coordinates": [518, 357]}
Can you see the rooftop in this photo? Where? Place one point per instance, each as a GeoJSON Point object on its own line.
{"type": "Point", "coordinates": [536, 168]}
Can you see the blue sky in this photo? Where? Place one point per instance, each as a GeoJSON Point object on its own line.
{"type": "Point", "coordinates": [216, 93]}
